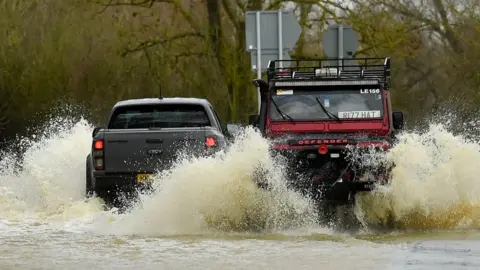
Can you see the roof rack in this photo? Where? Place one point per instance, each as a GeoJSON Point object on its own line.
{"type": "Point", "coordinates": [331, 69]}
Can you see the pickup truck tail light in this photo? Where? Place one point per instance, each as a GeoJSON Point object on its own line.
{"type": "Point", "coordinates": [210, 142]}
{"type": "Point", "coordinates": [98, 155]}
{"type": "Point", "coordinates": [98, 145]}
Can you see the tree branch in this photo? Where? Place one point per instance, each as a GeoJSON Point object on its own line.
{"type": "Point", "coordinates": [188, 54]}
{"type": "Point", "coordinates": [155, 42]}
{"type": "Point", "coordinates": [230, 14]}
{"type": "Point", "coordinates": [241, 5]}
{"type": "Point", "coordinates": [148, 4]}
{"type": "Point", "coordinates": [416, 15]}
{"type": "Point", "coordinates": [448, 32]}
{"type": "Point", "coordinates": [137, 3]}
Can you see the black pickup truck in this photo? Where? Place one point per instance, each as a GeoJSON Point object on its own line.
{"type": "Point", "coordinates": [144, 136]}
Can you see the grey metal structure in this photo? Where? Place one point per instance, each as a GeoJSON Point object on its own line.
{"type": "Point", "coordinates": [270, 35]}
{"type": "Point", "coordinates": [340, 41]}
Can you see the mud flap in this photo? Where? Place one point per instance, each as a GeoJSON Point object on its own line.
{"type": "Point", "coordinates": [89, 190]}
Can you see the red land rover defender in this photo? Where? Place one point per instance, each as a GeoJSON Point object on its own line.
{"type": "Point", "coordinates": [319, 112]}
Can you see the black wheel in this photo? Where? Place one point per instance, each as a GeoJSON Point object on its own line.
{"type": "Point", "coordinates": [89, 190]}
{"type": "Point", "coordinates": [326, 213]}
{"type": "Point", "coordinates": [345, 219]}
{"type": "Point", "coordinates": [338, 215]}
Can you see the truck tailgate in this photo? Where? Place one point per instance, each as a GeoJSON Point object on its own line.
{"type": "Point", "coordinates": [149, 150]}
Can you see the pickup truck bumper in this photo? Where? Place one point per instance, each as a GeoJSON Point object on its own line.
{"type": "Point", "coordinates": [109, 180]}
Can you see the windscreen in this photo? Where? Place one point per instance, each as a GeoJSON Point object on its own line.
{"type": "Point", "coordinates": [339, 104]}
{"type": "Point", "coordinates": [159, 116]}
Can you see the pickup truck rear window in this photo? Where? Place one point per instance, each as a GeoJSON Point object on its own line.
{"type": "Point", "coordinates": [159, 116]}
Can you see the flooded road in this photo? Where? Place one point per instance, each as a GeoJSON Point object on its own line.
{"type": "Point", "coordinates": [57, 249]}
{"type": "Point", "coordinates": [207, 214]}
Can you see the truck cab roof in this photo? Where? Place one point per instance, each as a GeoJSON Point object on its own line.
{"type": "Point", "coordinates": [154, 101]}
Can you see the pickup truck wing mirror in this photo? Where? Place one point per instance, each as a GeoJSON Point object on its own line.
{"type": "Point", "coordinates": [233, 129]}
{"type": "Point", "coordinates": [95, 130]}
{"type": "Point", "coordinates": [397, 119]}
{"type": "Point", "coordinates": [253, 120]}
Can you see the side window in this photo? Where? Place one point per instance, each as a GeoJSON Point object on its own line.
{"type": "Point", "coordinates": [217, 119]}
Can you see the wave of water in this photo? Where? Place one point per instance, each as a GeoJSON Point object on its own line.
{"type": "Point", "coordinates": [217, 194]}
{"type": "Point", "coordinates": [197, 195]}
{"type": "Point", "coordinates": [47, 182]}
{"type": "Point", "coordinates": [434, 185]}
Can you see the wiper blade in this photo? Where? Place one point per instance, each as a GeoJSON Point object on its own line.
{"type": "Point", "coordinates": [284, 115]}
{"type": "Point", "coordinates": [329, 114]}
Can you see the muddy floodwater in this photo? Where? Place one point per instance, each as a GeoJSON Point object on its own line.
{"type": "Point", "coordinates": [207, 213]}
{"type": "Point", "coordinates": [43, 248]}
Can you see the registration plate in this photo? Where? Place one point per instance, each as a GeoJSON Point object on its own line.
{"type": "Point", "coordinates": [141, 178]}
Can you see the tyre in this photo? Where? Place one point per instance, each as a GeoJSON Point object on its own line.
{"type": "Point", "coordinates": [339, 216]}
{"type": "Point", "coordinates": [346, 220]}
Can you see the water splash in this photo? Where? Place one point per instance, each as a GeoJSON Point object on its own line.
{"type": "Point", "coordinates": [48, 181]}
{"type": "Point", "coordinates": [218, 194]}
{"type": "Point", "coordinates": [434, 186]}
{"type": "Point", "coordinates": [434, 183]}
{"type": "Point", "coordinates": [209, 194]}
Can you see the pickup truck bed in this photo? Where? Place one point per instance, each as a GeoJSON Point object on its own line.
{"type": "Point", "coordinates": [145, 136]}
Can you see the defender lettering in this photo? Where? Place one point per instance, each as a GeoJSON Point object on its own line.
{"type": "Point", "coordinates": [320, 141]}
